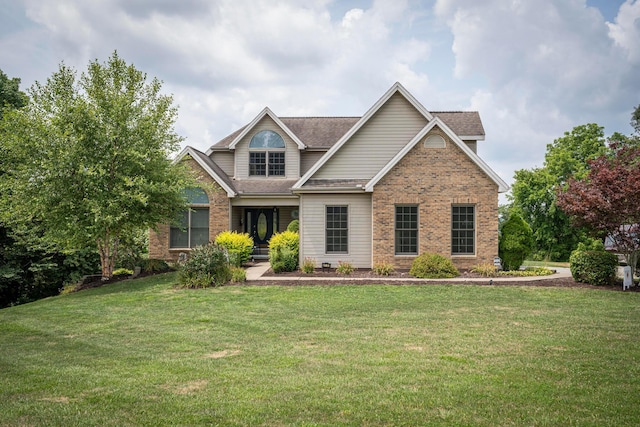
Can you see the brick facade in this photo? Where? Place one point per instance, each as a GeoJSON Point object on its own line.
{"type": "Point", "coordinates": [435, 179]}
{"type": "Point", "coordinates": [218, 216]}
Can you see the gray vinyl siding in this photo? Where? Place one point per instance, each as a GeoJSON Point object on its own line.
{"type": "Point", "coordinates": [375, 144]}
{"type": "Point", "coordinates": [224, 159]}
{"type": "Point", "coordinates": [313, 223]}
{"type": "Point", "coordinates": [308, 159]}
{"type": "Point", "coordinates": [292, 154]}
{"type": "Point", "coordinates": [285, 217]}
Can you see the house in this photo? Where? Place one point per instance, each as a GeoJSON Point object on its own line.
{"type": "Point", "coordinates": [387, 186]}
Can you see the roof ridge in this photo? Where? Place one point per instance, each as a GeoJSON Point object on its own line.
{"type": "Point", "coordinates": [320, 117]}
{"type": "Point", "coordinates": [455, 111]}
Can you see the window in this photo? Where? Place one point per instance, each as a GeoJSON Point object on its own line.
{"type": "Point", "coordinates": [257, 163]}
{"type": "Point", "coordinates": [192, 228]}
{"type": "Point", "coordinates": [276, 164]}
{"type": "Point", "coordinates": [406, 230]}
{"type": "Point", "coordinates": [463, 230]}
{"type": "Point", "coordinates": [337, 230]}
{"type": "Point", "coordinates": [266, 154]}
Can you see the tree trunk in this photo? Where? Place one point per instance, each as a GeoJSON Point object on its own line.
{"type": "Point", "coordinates": [108, 249]}
{"type": "Point", "coordinates": [632, 261]}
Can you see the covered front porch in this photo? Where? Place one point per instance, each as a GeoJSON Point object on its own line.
{"type": "Point", "coordinates": [261, 218]}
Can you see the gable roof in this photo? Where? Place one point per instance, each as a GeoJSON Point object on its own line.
{"type": "Point", "coordinates": [502, 186]}
{"type": "Point", "coordinates": [210, 167]}
{"type": "Point", "coordinates": [396, 88]}
{"type": "Point", "coordinates": [323, 132]}
{"type": "Point", "coordinates": [254, 122]}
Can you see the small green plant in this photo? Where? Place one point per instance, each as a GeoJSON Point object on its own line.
{"type": "Point", "coordinates": [383, 268]}
{"type": "Point", "coordinates": [206, 266]}
{"type": "Point", "coordinates": [238, 275]}
{"type": "Point", "coordinates": [596, 267]}
{"type": "Point", "coordinates": [283, 251]}
{"type": "Point", "coordinates": [294, 226]}
{"type": "Point", "coordinates": [308, 265]}
{"type": "Point", "coordinates": [485, 270]}
{"type": "Point", "coordinates": [122, 272]}
{"type": "Point", "coordinates": [433, 266]}
{"type": "Point", "coordinates": [238, 245]}
{"type": "Point", "coordinates": [345, 267]}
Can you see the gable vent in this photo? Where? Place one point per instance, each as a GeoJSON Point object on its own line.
{"type": "Point", "coordinates": [434, 141]}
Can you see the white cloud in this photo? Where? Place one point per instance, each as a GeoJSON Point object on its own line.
{"type": "Point", "coordinates": [549, 65]}
{"type": "Point", "coordinates": [533, 68]}
{"type": "Point", "coordinates": [626, 30]}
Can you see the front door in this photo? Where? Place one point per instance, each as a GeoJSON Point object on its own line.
{"type": "Point", "coordinates": [261, 223]}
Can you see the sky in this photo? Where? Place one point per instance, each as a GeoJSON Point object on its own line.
{"type": "Point", "coordinates": [534, 69]}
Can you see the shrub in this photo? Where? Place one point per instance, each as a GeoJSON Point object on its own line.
{"type": "Point", "coordinates": [516, 242]}
{"type": "Point", "coordinates": [122, 272]}
{"type": "Point", "coordinates": [345, 267]}
{"type": "Point", "coordinates": [238, 275]}
{"type": "Point", "coordinates": [383, 268]}
{"type": "Point", "coordinates": [433, 266]}
{"type": "Point", "coordinates": [206, 266]}
{"type": "Point", "coordinates": [294, 226]}
{"type": "Point", "coordinates": [154, 265]}
{"type": "Point", "coordinates": [485, 270]}
{"type": "Point", "coordinates": [238, 245]}
{"type": "Point", "coordinates": [283, 251]}
{"type": "Point", "coordinates": [308, 265]}
{"type": "Point", "coordinates": [594, 267]}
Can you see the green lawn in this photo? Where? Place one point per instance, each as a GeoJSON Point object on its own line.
{"type": "Point", "coordinates": [143, 353]}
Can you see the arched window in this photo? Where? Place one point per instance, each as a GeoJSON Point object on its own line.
{"type": "Point", "coordinates": [266, 154]}
{"type": "Point", "coordinates": [192, 227]}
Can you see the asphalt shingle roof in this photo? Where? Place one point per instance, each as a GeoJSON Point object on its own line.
{"type": "Point", "coordinates": [323, 132]}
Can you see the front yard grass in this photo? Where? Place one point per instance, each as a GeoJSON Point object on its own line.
{"type": "Point", "coordinates": [144, 353]}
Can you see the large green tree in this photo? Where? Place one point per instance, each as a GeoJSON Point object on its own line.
{"type": "Point", "coordinates": [533, 193]}
{"type": "Point", "coordinates": [11, 96]}
{"type": "Point", "coordinates": [90, 158]}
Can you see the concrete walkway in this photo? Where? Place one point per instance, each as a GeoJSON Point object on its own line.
{"type": "Point", "coordinates": [257, 271]}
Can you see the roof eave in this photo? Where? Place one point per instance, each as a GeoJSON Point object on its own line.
{"type": "Point", "coordinates": [190, 151]}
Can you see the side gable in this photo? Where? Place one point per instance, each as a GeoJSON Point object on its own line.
{"type": "Point", "coordinates": [397, 107]}
{"type": "Point", "coordinates": [502, 186]}
{"type": "Point", "coordinates": [210, 167]}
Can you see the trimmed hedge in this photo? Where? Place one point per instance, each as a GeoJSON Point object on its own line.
{"type": "Point", "coordinates": [433, 266]}
{"type": "Point", "coordinates": [593, 267]}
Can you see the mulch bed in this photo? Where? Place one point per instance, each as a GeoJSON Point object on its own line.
{"type": "Point", "coordinates": [368, 277]}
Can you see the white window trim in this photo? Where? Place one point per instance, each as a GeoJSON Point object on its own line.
{"type": "Point", "coordinates": [475, 231]}
{"type": "Point", "coordinates": [348, 228]}
{"type": "Point", "coordinates": [407, 254]}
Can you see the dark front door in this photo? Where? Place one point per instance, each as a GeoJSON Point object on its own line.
{"type": "Point", "coordinates": [261, 224]}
